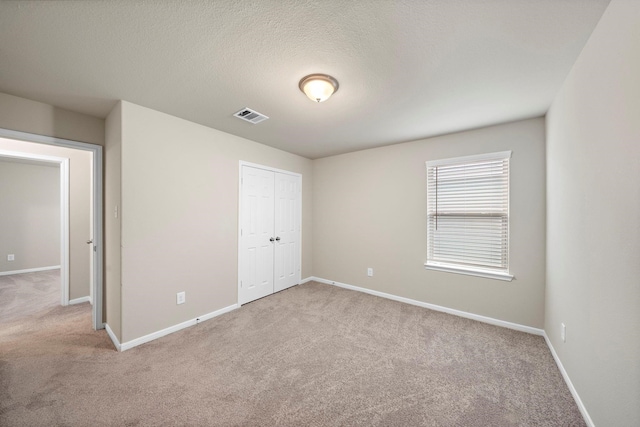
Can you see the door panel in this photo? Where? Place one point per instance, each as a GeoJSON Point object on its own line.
{"type": "Point", "coordinates": [256, 250]}
{"type": "Point", "coordinates": [287, 228]}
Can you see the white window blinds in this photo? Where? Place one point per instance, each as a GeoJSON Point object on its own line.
{"type": "Point", "coordinates": [468, 213]}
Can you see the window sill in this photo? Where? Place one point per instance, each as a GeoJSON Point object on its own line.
{"type": "Point", "coordinates": [469, 272]}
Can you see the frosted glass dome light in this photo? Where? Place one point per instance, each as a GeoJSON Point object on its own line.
{"type": "Point", "coordinates": [318, 87]}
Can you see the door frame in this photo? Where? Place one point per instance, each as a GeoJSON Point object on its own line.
{"type": "Point", "coordinates": [243, 163]}
{"type": "Point", "coordinates": [98, 246]}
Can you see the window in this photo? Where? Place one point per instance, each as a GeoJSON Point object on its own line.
{"type": "Point", "coordinates": [468, 215]}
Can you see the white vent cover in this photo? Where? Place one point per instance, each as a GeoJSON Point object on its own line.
{"type": "Point", "coordinates": [250, 116]}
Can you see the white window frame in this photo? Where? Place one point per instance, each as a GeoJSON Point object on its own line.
{"type": "Point", "coordinates": [462, 268]}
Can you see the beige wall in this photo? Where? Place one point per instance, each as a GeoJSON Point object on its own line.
{"type": "Point", "coordinates": [112, 223]}
{"type": "Point", "coordinates": [593, 211]}
{"type": "Point", "coordinates": [180, 217]}
{"type": "Point", "coordinates": [30, 219]}
{"type": "Point", "coordinates": [79, 208]}
{"type": "Point", "coordinates": [370, 211]}
{"type": "Point", "coordinates": [35, 117]}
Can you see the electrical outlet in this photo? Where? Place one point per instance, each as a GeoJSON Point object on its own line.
{"type": "Point", "coordinates": [563, 332]}
{"type": "Point", "coordinates": [181, 297]}
{"type": "Point", "coordinates": [370, 272]}
{"type": "Point", "coordinates": [11, 257]}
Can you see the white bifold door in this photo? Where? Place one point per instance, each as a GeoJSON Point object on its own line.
{"type": "Point", "coordinates": [270, 224]}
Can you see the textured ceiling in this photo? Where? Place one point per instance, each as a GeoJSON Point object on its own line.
{"type": "Point", "coordinates": [407, 69]}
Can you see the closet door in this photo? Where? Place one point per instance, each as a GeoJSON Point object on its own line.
{"type": "Point", "coordinates": [270, 229]}
{"type": "Point", "coordinates": [256, 254]}
{"type": "Point", "coordinates": [287, 229]}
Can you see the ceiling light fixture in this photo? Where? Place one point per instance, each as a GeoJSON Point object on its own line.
{"type": "Point", "coordinates": [318, 87]}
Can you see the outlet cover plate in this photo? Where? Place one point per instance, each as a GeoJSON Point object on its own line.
{"type": "Point", "coordinates": [181, 297]}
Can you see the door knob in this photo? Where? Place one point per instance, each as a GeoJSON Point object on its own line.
{"type": "Point", "coordinates": [278, 239]}
{"type": "Point", "coordinates": [89, 242]}
{"type": "Point", "coordinates": [272, 239]}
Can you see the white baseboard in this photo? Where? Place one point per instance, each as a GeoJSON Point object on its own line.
{"type": "Point", "coordinates": [171, 329]}
{"type": "Point", "coordinates": [79, 300]}
{"type": "Point", "coordinates": [29, 270]}
{"type": "Point", "coordinates": [567, 380]}
{"type": "Point", "coordinates": [308, 279]}
{"type": "Point", "coordinates": [113, 337]}
{"type": "Point", "coordinates": [479, 318]}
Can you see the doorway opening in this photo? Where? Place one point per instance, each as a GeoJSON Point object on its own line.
{"type": "Point", "coordinates": [62, 164]}
{"type": "Point", "coordinates": [95, 239]}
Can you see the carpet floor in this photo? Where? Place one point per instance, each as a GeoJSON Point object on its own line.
{"type": "Point", "coordinates": [313, 355]}
{"type": "Point", "coordinates": [31, 294]}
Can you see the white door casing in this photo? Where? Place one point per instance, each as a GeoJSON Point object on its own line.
{"type": "Point", "coordinates": [269, 231]}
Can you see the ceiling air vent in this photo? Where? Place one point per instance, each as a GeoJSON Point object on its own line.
{"type": "Point", "coordinates": [250, 116]}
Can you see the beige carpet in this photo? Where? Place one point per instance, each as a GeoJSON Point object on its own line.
{"type": "Point", "coordinates": [23, 295]}
{"type": "Point", "coordinates": [314, 355]}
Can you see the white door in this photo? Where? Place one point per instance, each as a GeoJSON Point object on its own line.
{"type": "Point", "coordinates": [256, 234]}
{"type": "Point", "coordinates": [287, 226]}
{"type": "Point", "coordinates": [270, 223]}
